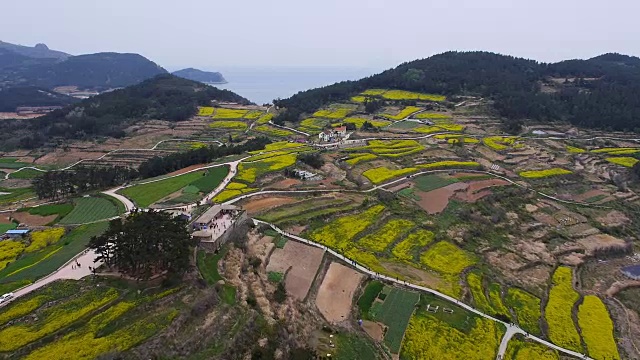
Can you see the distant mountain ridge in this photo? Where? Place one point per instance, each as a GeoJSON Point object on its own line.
{"type": "Point", "coordinates": [40, 51]}
{"type": "Point", "coordinates": [206, 77]}
{"type": "Point", "coordinates": [164, 97]}
{"type": "Point", "coordinates": [42, 67]}
{"type": "Point", "coordinates": [600, 92]}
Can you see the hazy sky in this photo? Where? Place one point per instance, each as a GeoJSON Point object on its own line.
{"type": "Point", "coordinates": [351, 33]}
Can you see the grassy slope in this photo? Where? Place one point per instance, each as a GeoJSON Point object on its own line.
{"type": "Point", "coordinates": [146, 194]}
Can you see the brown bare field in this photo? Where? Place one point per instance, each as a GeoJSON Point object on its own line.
{"type": "Point", "coordinates": [4, 218]}
{"type": "Point", "coordinates": [589, 194]}
{"type": "Point", "coordinates": [399, 187]}
{"type": "Point", "coordinates": [593, 242]}
{"type": "Point", "coordinates": [373, 329]}
{"type": "Point", "coordinates": [613, 218]}
{"type": "Point", "coordinates": [60, 157]}
{"type": "Point", "coordinates": [255, 205]}
{"type": "Point", "coordinates": [435, 201]}
{"type": "Point", "coordinates": [300, 262]}
{"type": "Point", "coordinates": [335, 295]}
{"type": "Point", "coordinates": [286, 184]}
{"type": "Point", "coordinates": [185, 170]}
{"type": "Point", "coordinates": [33, 220]}
{"type": "Point", "coordinates": [417, 276]}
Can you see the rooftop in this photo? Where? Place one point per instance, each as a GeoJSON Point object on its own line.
{"type": "Point", "coordinates": [17, 232]}
{"type": "Point", "coordinates": [213, 211]}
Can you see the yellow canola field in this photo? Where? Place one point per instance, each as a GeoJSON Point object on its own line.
{"type": "Point", "coordinates": [237, 125]}
{"type": "Point", "coordinates": [427, 338]}
{"type": "Point", "coordinates": [387, 234]}
{"type": "Point", "coordinates": [562, 330]}
{"type": "Point", "coordinates": [447, 258]}
{"type": "Point", "coordinates": [623, 161]}
{"type": "Point", "coordinates": [536, 174]}
{"type": "Point", "coordinates": [418, 239]}
{"type": "Point", "coordinates": [597, 329]}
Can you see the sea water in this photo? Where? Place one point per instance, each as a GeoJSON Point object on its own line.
{"type": "Point", "coordinates": [263, 85]}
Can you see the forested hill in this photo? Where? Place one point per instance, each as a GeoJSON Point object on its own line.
{"type": "Point", "coordinates": [600, 92]}
{"type": "Point", "coordinates": [100, 71]}
{"type": "Point", "coordinates": [165, 97]}
{"type": "Point", "coordinates": [206, 77]}
{"type": "Point", "coordinates": [12, 98]}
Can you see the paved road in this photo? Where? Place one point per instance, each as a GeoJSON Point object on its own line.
{"type": "Point", "coordinates": [66, 271]}
{"type": "Point", "coordinates": [511, 329]}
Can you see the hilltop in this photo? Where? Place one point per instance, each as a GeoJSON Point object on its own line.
{"type": "Point", "coordinates": [206, 77]}
{"type": "Point", "coordinates": [164, 97]}
{"type": "Point", "coordinates": [39, 51]}
{"type": "Point", "coordinates": [591, 93]}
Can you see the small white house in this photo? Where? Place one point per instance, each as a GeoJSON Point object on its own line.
{"type": "Point", "coordinates": [333, 134]}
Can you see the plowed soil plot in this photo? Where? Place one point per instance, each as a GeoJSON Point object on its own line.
{"type": "Point", "coordinates": [254, 206]}
{"type": "Point", "coordinates": [33, 220]}
{"type": "Point", "coordinates": [186, 170]}
{"type": "Point", "coordinates": [302, 262]}
{"type": "Point", "coordinates": [476, 190]}
{"type": "Point", "coordinates": [435, 201]}
{"type": "Point", "coordinates": [336, 292]}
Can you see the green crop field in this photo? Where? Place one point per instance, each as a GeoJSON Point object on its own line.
{"type": "Point", "coordinates": [5, 227]}
{"type": "Point", "coordinates": [431, 182]}
{"type": "Point", "coordinates": [368, 297]}
{"type": "Point", "coordinates": [33, 266]}
{"type": "Point", "coordinates": [146, 194]}
{"type": "Point", "coordinates": [89, 209]}
{"type": "Point", "coordinates": [12, 163]}
{"type": "Point", "coordinates": [205, 180]}
{"type": "Point", "coordinates": [26, 174]}
{"type": "Point", "coordinates": [214, 177]}
{"type": "Point", "coordinates": [395, 312]}
{"type": "Point", "coordinates": [15, 195]}
{"type": "Point", "coordinates": [52, 209]}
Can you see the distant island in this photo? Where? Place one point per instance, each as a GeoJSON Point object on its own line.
{"type": "Point", "coordinates": [206, 77]}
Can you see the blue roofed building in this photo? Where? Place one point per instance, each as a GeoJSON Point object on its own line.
{"type": "Point", "coordinates": [12, 234]}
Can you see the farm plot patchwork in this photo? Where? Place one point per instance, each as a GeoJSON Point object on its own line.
{"type": "Point", "coordinates": [32, 266]}
{"type": "Point", "coordinates": [249, 172]}
{"type": "Point", "coordinates": [296, 210]}
{"type": "Point", "coordinates": [380, 239]}
{"type": "Point", "coordinates": [60, 210]}
{"type": "Point", "coordinates": [10, 195]}
{"type": "Point", "coordinates": [229, 125]}
{"type": "Point", "coordinates": [402, 113]}
{"type": "Point", "coordinates": [272, 131]}
{"type": "Point", "coordinates": [391, 148]}
{"type": "Point", "coordinates": [358, 122]}
{"type": "Point", "coordinates": [402, 95]}
{"type": "Point", "coordinates": [406, 250]}
{"type": "Point", "coordinates": [558, 313]}
{"type": "Point", "coordinates": [500, 142]}
{"type": "Point", "coordinates": [439, 336]}
{"type": "Point", "coordinates": [54, 318]}
{"type": "Point", "coordinates": [313, 125]}
{"type": "Point", "coordinates": [358, 158]}
{"type": "Point", "coordinates": [117, 328]}
{"type": "Point", "coordinates": [223, 113]}
{"type": "Point", "coordinates": [232, 190]}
